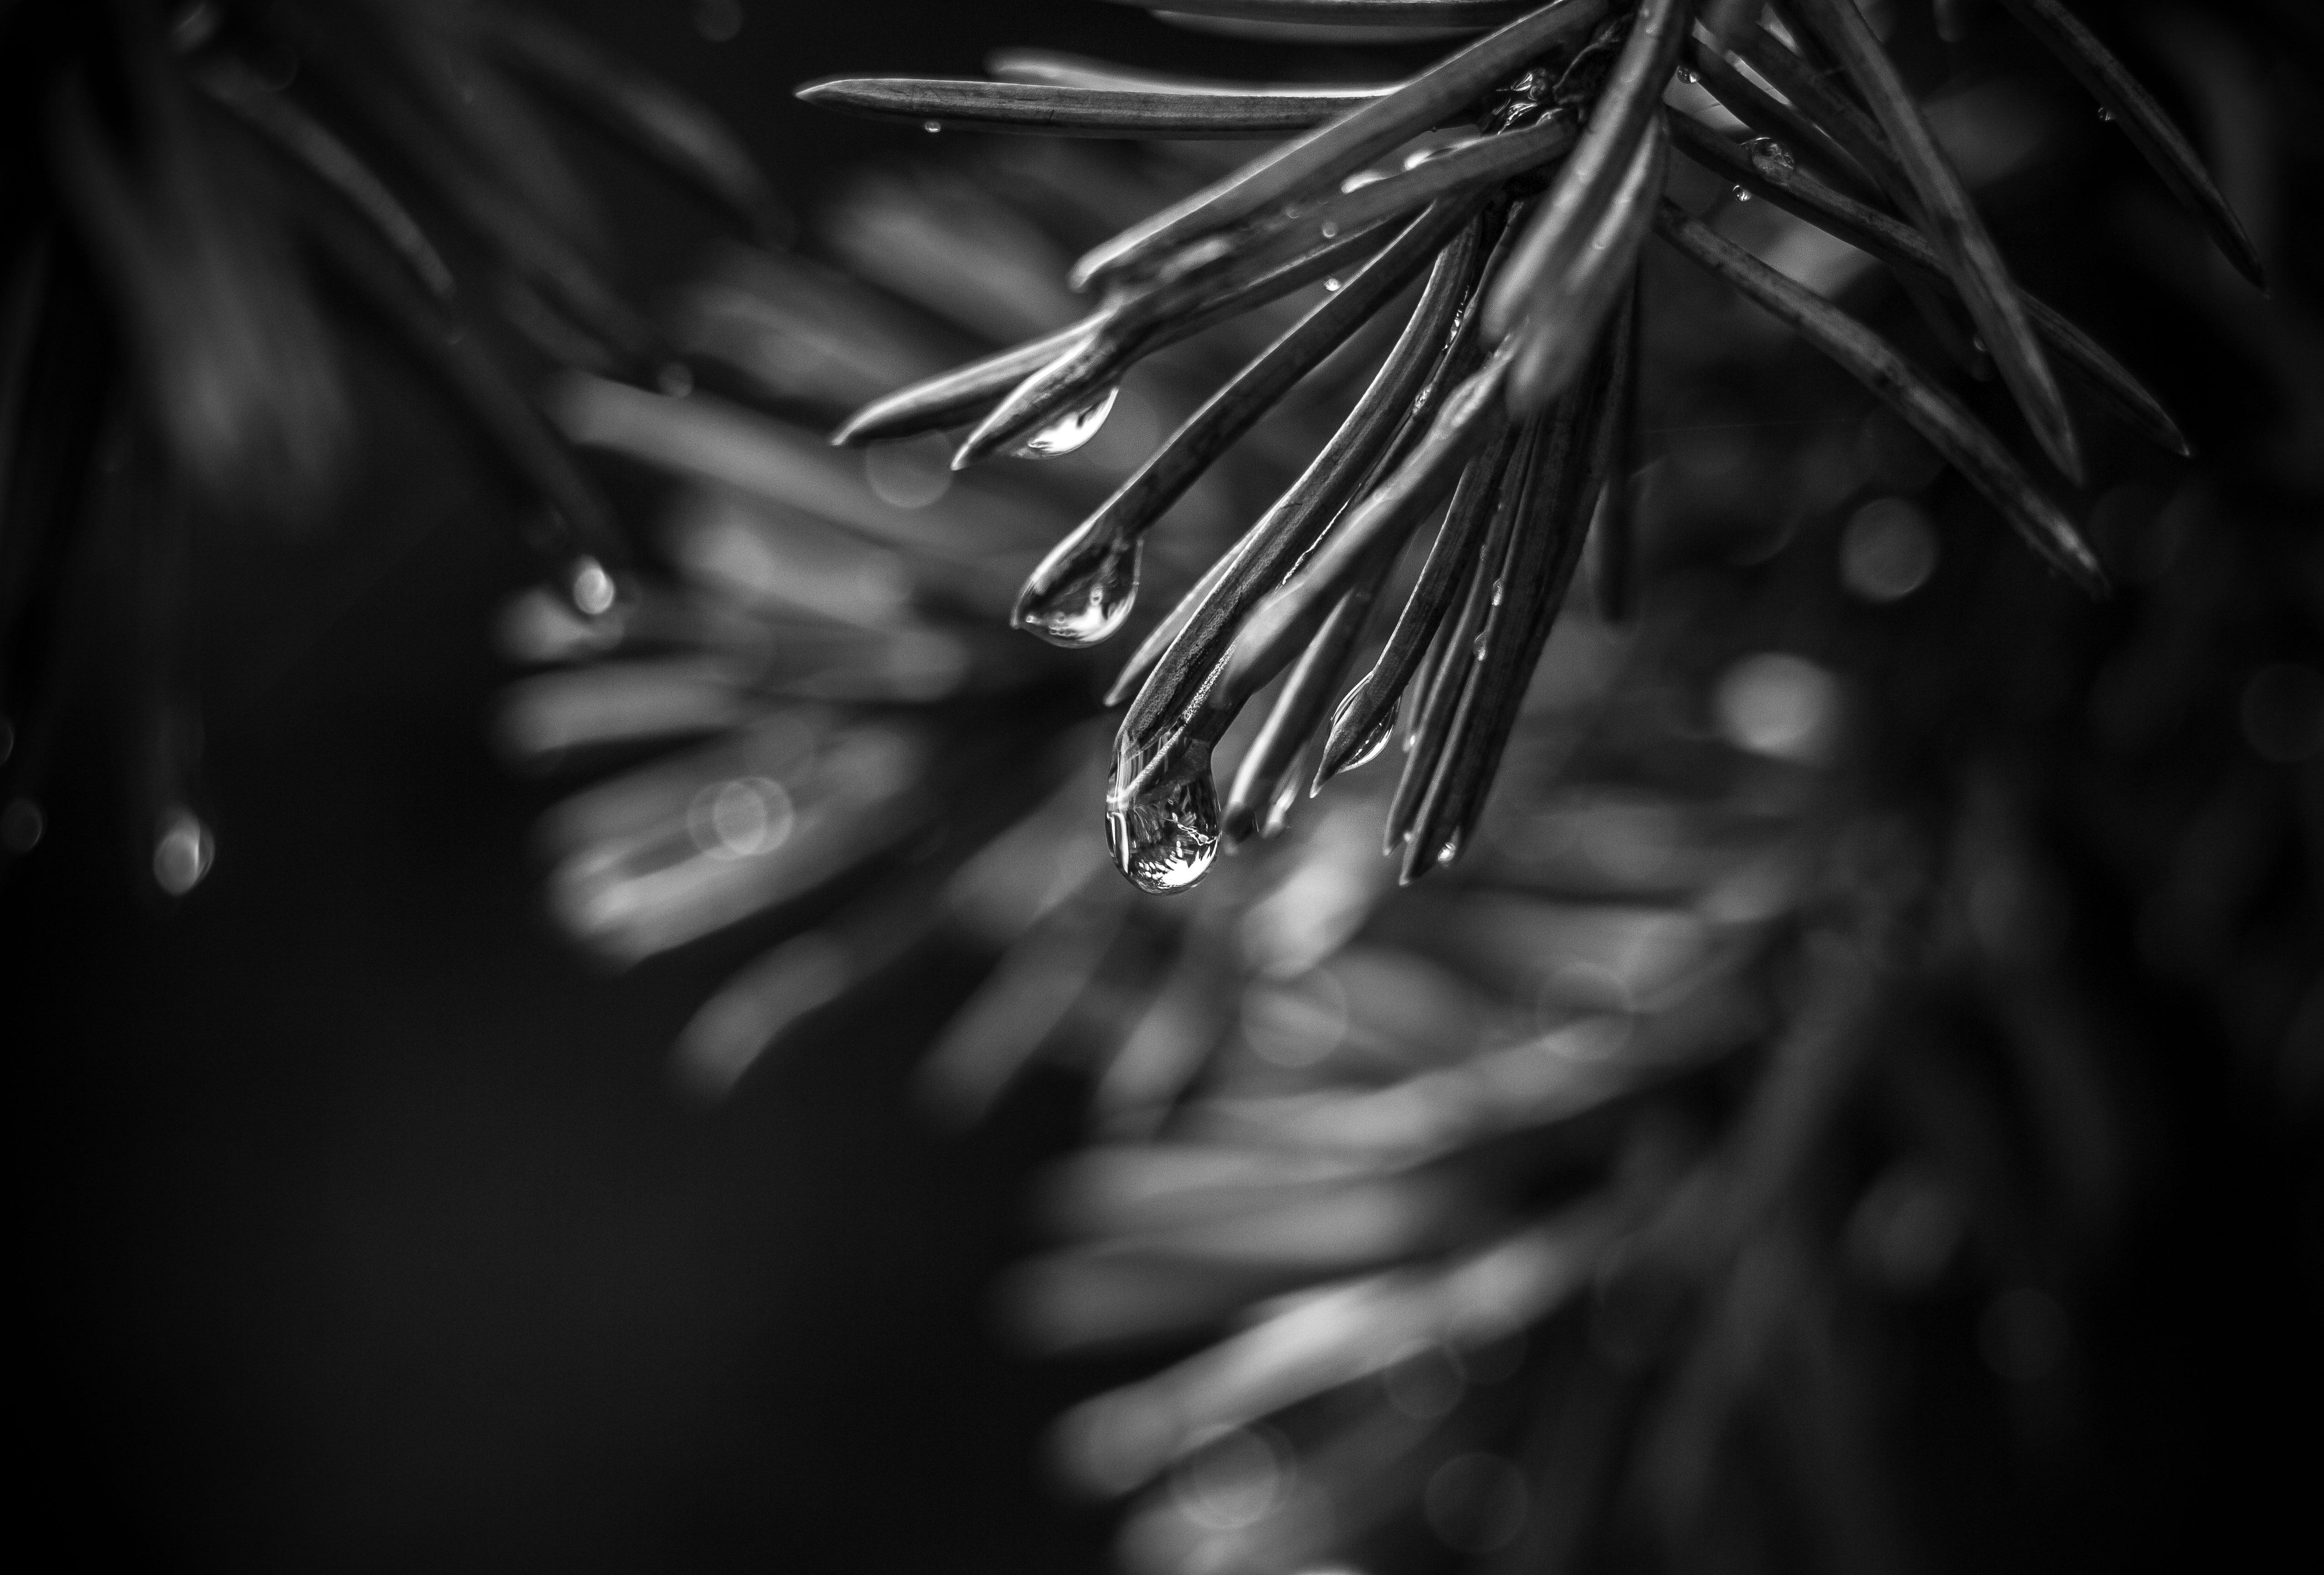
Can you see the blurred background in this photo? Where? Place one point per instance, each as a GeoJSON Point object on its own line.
{"type": "Point", "coordinates": [365, 1232]}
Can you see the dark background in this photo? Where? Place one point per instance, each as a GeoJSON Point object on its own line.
{"type": "Point", "coordinates": [359, 1230]}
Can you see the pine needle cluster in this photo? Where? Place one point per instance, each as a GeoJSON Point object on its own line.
{"type": "Point", "coordinates": [1720, 1159]}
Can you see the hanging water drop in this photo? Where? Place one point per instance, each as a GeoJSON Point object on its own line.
{"type": "Point", "coordinates": [932, 126]}
{"type": "Point", "coordinates": [1330, 287]}
{"type": "Point", "coordinates": [1742, 194]}
{"type": "Point", "coordinates": [2104, 114]}
{"type": "Point", "coordinates": [1165, 834]}
{"type": "Point", "coordinates": [1070, 430]}
{"type": "Point", "coordinates": [1772, 156]}
{"type": "Point", "coordinates": [1688, 75]}
{"type": "Point", "coordinates": [1085, 606]}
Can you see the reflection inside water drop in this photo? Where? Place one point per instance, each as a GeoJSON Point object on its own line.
{"type": "Point", "coordinates": [1071, 431]}
{"type": "Point", "coordinates": [1165, 834]}
{"type": "Point", "coordinates": [1086, 607]}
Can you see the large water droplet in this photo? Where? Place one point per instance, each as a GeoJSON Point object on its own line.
{"type": "Point", "coordinates": [1374, 742]}
{"type": "Point", "coordinates": [1087, 606]}
{"type": "Point", "coordinates": [1070, 430]}
{"type": "Point", "coordinates": [1165, 834]}
{"type": "Point", "coordinates": [1773, 157]}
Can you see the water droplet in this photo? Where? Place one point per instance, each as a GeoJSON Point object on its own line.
{"type": "Point", "coordinates": [1375, 740]}
{"type": "Point", "coordinates": [1477, 647]}
{"type": "Point", "coordinates": [932, 126]}
{"type": "Point", "coordinates": [2104, 114]}
{"type": "Point", "coordinates": [1330, 287]}
{"type": "Point", "coordinates": [1772, 156]}
{"type": "Point", "coordinates": [1328, 229]}
{"type": "Point", "coordinates": [1086, 605]}
{"type": "Point", "coordinates": [592, 587]}
{"type": "Point", "coordinates": [1451, 850]}
{"type": "Point", "coordinates": [182, 852]}
{"type": "Point", "coordinates": [1687, 75]}
{"type": "Point", "coordinates": [1742, 194]}
{"type": "Point", "coordinates": [1070, 430]}
{"type": "Point", "coordinates": [1165, 834]}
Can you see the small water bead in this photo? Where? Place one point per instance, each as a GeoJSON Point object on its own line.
{"type": "Point", "coordinates": [932, 126]}
{"type": "Point", "coordinates": [1328, 229]}
{"type": "Point", "coordinates": [1330, 287]}
{"type": "Point", "coordinates": [1742, 194]}
{"type": "Point", "coordinates": [1771, 155]}
{"type": "Point", "coordinates": [183, 851]}
{"type": "Point", "coordinates": [592, 588]}
{"type": "Point", "coordinates": [1166, 834]}
{"type": "Point", "coordinates": [1083, 608]}
{"type": "Point", "coordinates": [1688, 75]}
{"type": "Point", "coordinates": [1071, 431]}
{"type": "Point", "coordinates": [2105, 114]}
